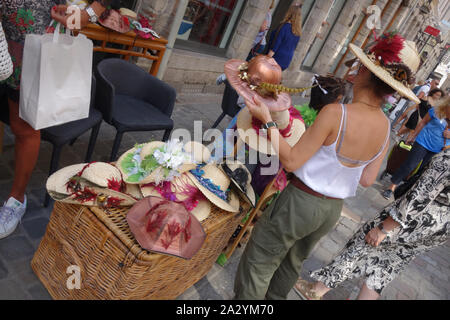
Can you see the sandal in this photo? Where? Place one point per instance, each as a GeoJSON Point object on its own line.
{"type": "Point", "coordinates": [305, 290]}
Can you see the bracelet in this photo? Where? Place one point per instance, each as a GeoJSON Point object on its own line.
{"type": "Point", "coordinates": [269, 125]}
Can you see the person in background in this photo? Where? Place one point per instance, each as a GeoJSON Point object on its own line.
{"type": "Point", "coordinates": [21, 17]}
{"type": "Point", "coordinates": [417, 112]}
{"type": "Point", "coordinates": [433, 136]}
{"type": "Point", "coordinates": [259, 45]}
{"type": "Point", "coordinates": [427, 87]}
{"type": "Point", "coordinates": [416, 223]}
{"type": "Point", "coordinates": [285, 38]}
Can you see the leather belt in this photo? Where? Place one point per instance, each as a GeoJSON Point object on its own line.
{"type": "Point", "coordinates": [299, 184]}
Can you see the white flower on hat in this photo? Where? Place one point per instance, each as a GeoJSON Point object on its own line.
{"type": "Point", "coordinates": [172, 155]}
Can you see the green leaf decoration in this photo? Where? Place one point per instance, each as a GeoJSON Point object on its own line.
{"type": "Point", "coordinates": [128, 163]}
{"type": "Point", "coordinates": [149, 163]}
{"type": "Point", "coordinates": [134, 178]}
{"type": "Point", "coordinates": [309, 115]}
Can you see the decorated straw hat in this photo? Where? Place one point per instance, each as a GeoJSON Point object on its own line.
{"type": "Point", "coordinates": [241, 179]}
{"type": "Point", "coordinates": [394, 61]}
{"type": "Point", "coordinates": [200, 153]}
{"type": "Point", "coordinates": [215, 185]}
{"type": "Point", "coordinates": [130, 163]}
{"type": "Point", "coordinates": [134, 190]}
{"type": "Point", "coordinates": [181, 190]}
{"type": "Point", "coordinates": [166, 227]}
{"type": "Point", "coordinates": [289, 123]}
{"type": "Point", "coordinates": [95, 184]}
{"type": "Point", "coordinates": [159, 161]}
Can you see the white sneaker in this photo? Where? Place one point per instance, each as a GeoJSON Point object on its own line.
{"type": "Point", "coordinates": [10, 215]}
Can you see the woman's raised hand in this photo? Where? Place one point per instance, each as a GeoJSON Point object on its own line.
{"type": "Point", "coordinates": [59, 14]}
{"type": "Point", "coordinates": [259, 109]}
{"type": "Point", "coordinates": [62, 15]}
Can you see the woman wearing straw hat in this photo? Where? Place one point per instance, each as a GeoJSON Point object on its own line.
{"type": "Point", "coordinates": [344, 147]}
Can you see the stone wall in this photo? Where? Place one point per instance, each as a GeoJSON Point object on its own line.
{"type": "Point", "coordinates": [340, 35]}
{"type": "Point", "coordinates": [294, 76]}
{"type": "Point", "coordinates": [248, 26]}
{"type": "Point", "coordinates": [194, 72]}
{"type": "Point", "coordinates": [161, 13]}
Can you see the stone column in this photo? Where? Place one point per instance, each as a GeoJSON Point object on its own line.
{"type": "Point", "coordinates": [248, 27]}
{"type": "Point", "coordinates": [293, 76]}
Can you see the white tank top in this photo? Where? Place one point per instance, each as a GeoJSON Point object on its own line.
{"type": "Point", "coordinates": [324, 172]}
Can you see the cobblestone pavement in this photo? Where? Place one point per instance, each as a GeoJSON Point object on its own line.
{"type": "Point", "coordinates": [427, 277]}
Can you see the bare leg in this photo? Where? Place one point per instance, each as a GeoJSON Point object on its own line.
{"type": "Point", "coordinates": [367, 294]}
{"type": "Point", "coordinates": [26, 151]}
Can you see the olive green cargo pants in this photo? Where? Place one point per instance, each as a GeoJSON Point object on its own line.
{"type": "Point", "coordinates": [281, 240]}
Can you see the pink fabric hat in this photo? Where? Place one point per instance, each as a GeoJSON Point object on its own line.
{"type": "Point", "coordinates": [115, 21]}
{"type": "Point", "coordinates": [166, 227]}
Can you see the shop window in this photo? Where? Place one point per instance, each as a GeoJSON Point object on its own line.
{"type": "Point", "coordinates": [209, 23]}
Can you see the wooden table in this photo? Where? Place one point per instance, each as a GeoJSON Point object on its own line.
{"type": "Point", "coordinates": [134, 45]}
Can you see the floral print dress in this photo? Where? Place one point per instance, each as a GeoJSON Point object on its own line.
{"type": "Point", "coordinates": [20, 17]}
{"type": "Point", "coordinates": [424, 216]}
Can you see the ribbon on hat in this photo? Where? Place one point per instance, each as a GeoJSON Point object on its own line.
{"type": "Point", "coordinates": [314, 81]}
{"type": "Point", "coordinates": [209, 185]}
{"type": "Point", "coordinates": [193, 194]}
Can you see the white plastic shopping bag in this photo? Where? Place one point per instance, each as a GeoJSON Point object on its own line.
{"type": "Point", "coordinates": [56, 79]}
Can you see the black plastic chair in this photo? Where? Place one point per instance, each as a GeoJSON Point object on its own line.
{"type": "Point", "coordinates": [229, 103]}
{"type": "Point", "coordinates": [130, 99]}
{"type": "Point", "coordinates": [67, 133]}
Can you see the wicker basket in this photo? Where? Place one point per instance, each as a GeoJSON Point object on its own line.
{"type": "Point", "coordinates": [112, 264]}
